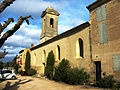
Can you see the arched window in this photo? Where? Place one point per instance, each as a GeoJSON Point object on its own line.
{"type": "Point", "coordinates": [44, 55]}
{"type": "Point", "coordinates": [51, 22]}
{"type": "Point", "coordinates": [58, 51]}
{"type": "Point", "coordinates": [81, 47]}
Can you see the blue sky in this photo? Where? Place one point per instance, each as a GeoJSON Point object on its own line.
{"type": "Point", "coordinates": [72, 13]}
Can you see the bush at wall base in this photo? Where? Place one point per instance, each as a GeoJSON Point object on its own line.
{"type": "Point", "coordinates": [31, 72]}
{"type": "Point", "coordinates": [74, 76]}
{"type": "Point", "coordinates": [106, 82]}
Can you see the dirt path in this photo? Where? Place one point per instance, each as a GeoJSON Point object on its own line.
{"type": "Point", "coordinates": [30, 83]}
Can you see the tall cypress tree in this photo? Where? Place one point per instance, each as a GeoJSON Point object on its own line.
{"type": "Point", "coordinates": [50, 65]}
{"type": "Point", "coordinates": [27, 61]}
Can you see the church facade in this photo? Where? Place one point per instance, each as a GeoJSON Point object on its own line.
{"type": "Point", "coordinates": [93, 45]}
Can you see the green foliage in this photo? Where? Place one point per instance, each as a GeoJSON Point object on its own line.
{"type": "Point", "coordinates": [6, 64]}
{"type": "Point", "coordinates": [50, 65]}
{"type": "Point", "coordinates": [106, 82]}
{"type": "Point", "coordinates": [31, 72]}
{"type": "Point", "coordinates": [27, 61]}
{"type": "Point", "coordinates": [62, 70]}
{"type": "Point", "coordinates": [19, 72]}
{"type": "Point", "coordinates": [1, 65]}
{"type": "Point", "coordinates": [15, 66]}
{"type": "Point", "coordinates": [70, 75]}
{"type": "Point", "coordinates": [118, 85]}
{"type": "Point", "coordinates": [76, 76]}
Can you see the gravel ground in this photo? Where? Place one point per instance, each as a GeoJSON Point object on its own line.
{"type": "Point", "coordinates": [30, 83]}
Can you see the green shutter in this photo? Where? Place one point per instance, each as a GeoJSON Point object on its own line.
{"type": "Point", "coordinates": [103, 12]}
{"type": "Point", "coordinates": [116, 62]}
{"type": "Point", "coordinates": [105, 34]}
{"type": "Point", "coordinates": [100, 31]}
{"type": "Point", "coordinates": [98, 14]}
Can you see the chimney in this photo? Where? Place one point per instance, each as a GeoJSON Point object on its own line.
{"type": "Point", "coordinates": [32, 45]}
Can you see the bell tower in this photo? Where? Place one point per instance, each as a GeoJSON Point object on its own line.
{"type": "Point", "coordinates": [49, 24]}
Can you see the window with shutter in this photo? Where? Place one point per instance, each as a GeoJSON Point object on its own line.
{"type": "Point", "coordinates": [98, 13]}
{"type": "Point", "coordinates": [100, 31]}
{"type": "Point", "coordinates": [101, 13]}
{"type": "Point", "coordinates": [103, 35]}
{"type": "Point", "coordinates": [116, 62]}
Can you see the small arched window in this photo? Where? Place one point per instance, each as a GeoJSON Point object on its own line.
{"type": "Point", "coordinates": [81, 47]}
{"type": "Point", "coordinates": [44, 55]}
{"type": "Point", "coordinates": [51, 22]}
{"type": "Point", "coordinates": [58, 51]}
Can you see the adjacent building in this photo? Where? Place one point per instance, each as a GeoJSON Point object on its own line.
{"type": "Point", "coordinates": [105, 33]}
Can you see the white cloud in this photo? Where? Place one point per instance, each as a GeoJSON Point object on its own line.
{"type": "Point", "coordinates": [75, 22]}
{"type": "Point", "coordinates": [23, 38]}
{"type": "Point", "coordinates": [8, 47]}
{"type": "Point", "coordinates": [10, 55]}
{"type": "Point", "coordinates": [34, 6]}
{"type": "Point", "coordinates": [62, 28]}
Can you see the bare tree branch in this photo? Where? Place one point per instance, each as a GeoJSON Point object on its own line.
{"type": "Point", "coordinates": [4, 4]}
{"type": "Point", "coordinates": [14, 29]}
{"type": "Point", "coordinates": [10, 32]}
{"type": "Point", "coordinates": [5, 24]}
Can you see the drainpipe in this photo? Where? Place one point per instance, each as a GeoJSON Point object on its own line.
{"type": "Point", "coordinates": [90, 43]}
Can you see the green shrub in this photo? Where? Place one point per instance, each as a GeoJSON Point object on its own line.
{"type": "Point", "coordinates": [62, 70]}
{"type": "Point", "coordinates": [106, 82]}
{"type": "Point", "coordinates": [19, 72]}
{"type": "Point", "coordinates": [76, 76]}
{"type": "Point", "coordinates": [15, 68]}
{"type": "Point", "coordinates": [70, 75]}
{"type": "Point", "coordinates": [50, 65]}
{"type": "Point", "coordinates": [31, 72]}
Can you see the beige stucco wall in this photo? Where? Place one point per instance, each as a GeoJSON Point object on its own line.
{"type": "Point", "coordinates": [67, 51]}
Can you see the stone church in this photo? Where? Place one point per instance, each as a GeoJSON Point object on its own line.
{"type": "Point", "coordinates": [93, 45]}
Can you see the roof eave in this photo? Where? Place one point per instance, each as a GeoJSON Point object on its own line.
{"type": "Point", "coordinates": [96, 4]}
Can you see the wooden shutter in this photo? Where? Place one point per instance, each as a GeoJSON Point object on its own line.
{"type": "Point", "coordinates": [105, 34]}
{"type": "Point", "coordinates": [116, 62]}
{"type": "Point", "coordinates": [103, 12]}
{"type": "Point", "coordinates": [98, 14]}
{"type": "Point", "coordinates": [100, 31]}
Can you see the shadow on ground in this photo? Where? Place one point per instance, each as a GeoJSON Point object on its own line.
{"type": "Point", "coordinates": [15, 86]}
{"type": "Point", "coordinates": [2, 80]}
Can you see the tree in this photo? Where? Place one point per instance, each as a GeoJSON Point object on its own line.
{"type": "Point", "coordinates": [10, 32]}
{"type": "Point", "coordinates": [1, 65]}
{"type": "Point", "coordinates": [27, 61]}
{"type": "Point", "coordinates": [7, 64]}
{"type": "Point", "coordinates": [14, 64]}
{"type": "Point", "coordinates": [50, 65]}
{"type": "Point", "coordinates": [61, 70]}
